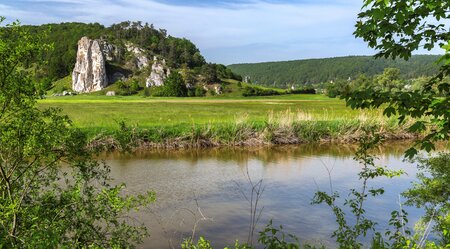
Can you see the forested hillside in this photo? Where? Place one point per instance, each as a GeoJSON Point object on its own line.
{"type": "Point", "coordinates": [313, 71]}
{"type": "Point", "coordinates": [64, 37]}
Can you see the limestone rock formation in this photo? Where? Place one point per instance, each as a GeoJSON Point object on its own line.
{"type": "Point", "coordinates": [89, 74]}
{"type": "Point", "coordinates": [141, 60]}
{"type": "Point", "coordinates": [218, 89]}
{"type": "Point", "coordinates": [158, 74]}
{"type": "Point", "coordinates": [109, 51]}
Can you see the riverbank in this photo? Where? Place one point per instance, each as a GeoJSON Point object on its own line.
{"type": "Point", "coordinates": [121, 123]}
{"type": "Point", "coordinates": [282, 131]}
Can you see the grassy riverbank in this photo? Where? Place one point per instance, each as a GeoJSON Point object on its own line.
{"type": "Point", "coordinates": [196, 122]}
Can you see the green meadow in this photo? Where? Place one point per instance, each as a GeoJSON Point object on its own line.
{"type": "Point", "coordinates": [117, 122]}
{"type": "Point", "coordinates": [101, 112]}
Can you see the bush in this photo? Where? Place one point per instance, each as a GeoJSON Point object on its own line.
{"type": "Point", "coordinates": [135, 87]}
{"type": "Point", "coordinates": [258, 91]}
{"type": "Point", "coordinates": [200, 92]}
{"type": "Point", "coordinates": [157, 91]}
{"type": "Point", "coordinates": [121, 85]}
{"type": "Point", "coordinates": [308, 90]}
{"type": "Point", "coordinates": [146, 92]}
{"type": "Point", "coordinates": [174, 86]}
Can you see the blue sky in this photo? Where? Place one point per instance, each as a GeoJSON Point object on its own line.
{"type": "Point", "coordinates": [226, 31]}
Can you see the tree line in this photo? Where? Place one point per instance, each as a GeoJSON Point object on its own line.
{"type": "Point", "coordinates": [284, 74]}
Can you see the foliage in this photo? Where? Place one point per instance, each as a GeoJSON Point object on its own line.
{"type": "Point", "coordinates": [314, 71]}
{"type": "Point", "coordinates": [335, 89]}
{"type": "Point", "coordinates": [404, 30]}
{"type": "Point", "coordinates": [146, 92]}
{"type": "Point", "coordinates": [174, 86]}
{"type": "Point", "coordinates": [258, 91]}
{"type": "Point", "coordinates": [209, 73]}
{"type": "Point", "coordinates": [224, 72]}
{"type": "Point", "coordinates": [52, 193]}
{"type": "Point", "coordinates": [304, 90]}
{"type": "Point", "coordinates": [270, 238]}
{"type": "Point", "coordinates": [347, 235]}
{"type": "Point", "coordinates": [199, 91]}
{"type": "Point", "coordinates": [126, 88]}
{"type": "Point", "coordinates": [202, 243]}
{"type": "Point", "coordinates": [432, 193]}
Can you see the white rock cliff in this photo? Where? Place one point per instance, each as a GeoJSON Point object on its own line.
{"type": "Point", "coordinates": [141, 60]}
{"type": "Point", "coordinates": [89, 74]}
{"type": "Point", "coordinates": [158, 74]}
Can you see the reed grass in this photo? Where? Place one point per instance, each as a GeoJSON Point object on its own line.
{"type": "Point", "coordinates": [284, 127]}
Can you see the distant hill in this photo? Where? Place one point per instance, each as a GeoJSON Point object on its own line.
{"type": "Point", "coordinates": [313, 71]}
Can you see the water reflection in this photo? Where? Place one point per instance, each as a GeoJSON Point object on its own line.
{"type": "Point", "coordinates": [205, 187]}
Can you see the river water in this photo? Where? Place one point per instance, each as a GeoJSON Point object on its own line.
{"type": "Point", "coordinates": [207, 190]}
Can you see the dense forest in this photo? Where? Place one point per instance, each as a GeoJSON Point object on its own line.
{"type": "Point", "coordinates": [64, 37]}
{"type": "Point", "coordinates": [312, 71]}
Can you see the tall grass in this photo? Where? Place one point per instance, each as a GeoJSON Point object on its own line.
{"type": "Point", "coordinates": [283, 127]}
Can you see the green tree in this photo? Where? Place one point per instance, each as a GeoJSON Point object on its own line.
{"type": "Point", "coordinates": [209, 73]}
{"type": "Point", "coordinates": [174, 86]}
{"type": "Point", "coordinates": [432, 193]}
{"type": "Point", "coordinates": [389, 80]}
{"type": "Point", "coordinates": [52, 193]}
{"type": "Point", "coordinates": [396, 29]}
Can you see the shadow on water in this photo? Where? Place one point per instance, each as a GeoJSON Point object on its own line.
{"type": "Point", "coordinates": [206, 187]}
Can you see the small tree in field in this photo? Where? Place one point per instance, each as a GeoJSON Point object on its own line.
{"type": "Point", "coordinates": [52, 193]}
{"type": "Point", "coordinates": [174, 86]}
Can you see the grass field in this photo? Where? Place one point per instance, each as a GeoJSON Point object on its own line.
{"type": "Point", "coordinates": [284, 119]}
{"type": "Point", "coordinates": [94, 112]}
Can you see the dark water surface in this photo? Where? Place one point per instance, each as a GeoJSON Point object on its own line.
{"type": "Point", "coordinates": [204, 189]}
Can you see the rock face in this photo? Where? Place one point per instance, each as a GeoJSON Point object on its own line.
{"type": "Point", "coordinates": [89, 74]}
{"type": "Point", "coordinates": [158, 74]}
{"type": "Point", "coordinates": [109, 51]}
{"type": "Point", "coordinates": [218, 89]}
{"type": "Point", "coordinates": [141, 60]}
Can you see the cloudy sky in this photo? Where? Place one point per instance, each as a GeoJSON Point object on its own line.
{"type": "Point", "coordinates": [226, 31]}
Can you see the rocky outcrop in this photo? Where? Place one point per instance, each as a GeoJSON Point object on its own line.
{"type": "Point", "coordinates": [218, 89]}
{"type": "Point", "coordinates": [110, 52]}
{"type": "Point", "coordinates": [158, 74]}
{"type": "Point", "coordinates": [89, 74]}
{"type": "Point", "coordinates": [141, 60]}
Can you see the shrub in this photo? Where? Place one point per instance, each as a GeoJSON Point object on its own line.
{"type": "Point", "coordinates": [200, 92]}
{"type": "Point", "coordinates": [146, 92]}
{"type": "Point", "coordinates": [258, 91]}
{"type": "Point", "coordinates": [174, 86]}
{"type": "Point", "coordinates": [135, 87]}
{"type": "Point", "coordinates": [306, 90]}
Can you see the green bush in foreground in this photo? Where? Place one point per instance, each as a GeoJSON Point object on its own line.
{"type": "Point", "coordinates": [52, 193]}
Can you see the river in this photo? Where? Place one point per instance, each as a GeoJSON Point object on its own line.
{"type": "Point", "coordinates": [206, 189]}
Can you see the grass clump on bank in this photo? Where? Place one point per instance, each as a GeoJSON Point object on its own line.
{"type": "Point", "coordinates": [280, 128]}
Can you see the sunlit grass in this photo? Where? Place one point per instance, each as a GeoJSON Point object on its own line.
{"type": "Point", "coordinates": [100, 112]}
